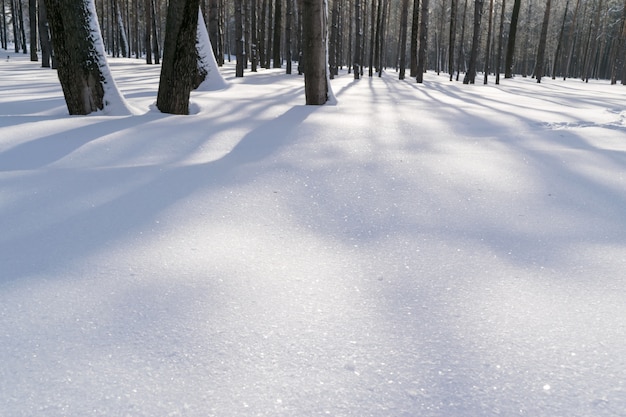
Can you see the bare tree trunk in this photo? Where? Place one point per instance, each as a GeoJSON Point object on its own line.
{"type": "Point", "coordinates": [500, 38]}
{"type": "Point", "coordinates": [32, 17]}
{"type": "Point", "coordinates": [278, 22]}
{"type": "Point", "coordinates": [372, 38]}
{"type": "Point", "coordinates": [452, 37]}
{"type": "Point", "coordinates": [557, 53]}
{"type": "Point", "coordinates": [470, 75]}
{"type": "Point", "coordinates": [510, 47]}
{"type": "Point", "coordinates": [541, 50]}
{"type": "Point", "coordinates": [423, 48]}
{"type": "Point", "coordinates": [414, 37]}
{"type": "Point", "coordinates": [488, 50]}
{"type": "Point", "coordinates": [240, 51]}
{"type": "Point", "coordinates": [314, 52]}
{"type": "Point", "coordinates": [148, 35]}
{"type": "Point", "coordinates": [81, 63]}
{"type": "Point", "coordinates": [180, 57]}
{"type": "Point", "coordinates": [288, 31]}
{"type": "Point", "coordinates": [461, 57]}
{"type": "Point", "coordinates": [44, 36]}
{"type": "Point", "coordinates": [404, 20]}
{"type": "Point", "coordinates": [358, 39]}
{"type": "Point", "coordinates": [570, 47]}
{"type": "Point", "coordinates": [620, 52]}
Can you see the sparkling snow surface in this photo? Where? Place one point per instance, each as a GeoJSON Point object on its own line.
{"type": "Point", "coordinates": [415, 250]}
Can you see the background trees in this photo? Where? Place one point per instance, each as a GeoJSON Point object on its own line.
{"type": "Point", "coordinates": [583, 38]}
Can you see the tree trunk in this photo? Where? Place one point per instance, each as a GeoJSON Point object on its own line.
{"type": "Point", "coordinates": [570, 48]}
{"type": "Point", "coordinates": [461, 57]}
{"type": "Point", "coordinates": [278, 19]}
{"type": "Point", "coordinates": [81, 63]}
{"type": "Point", "coordinates": [358, 39]}
{"type": "Point", "coordinates": [414, 37]}
{"type": "Point", "coordinates": [423, 48]}
{"type": "Point", "coordinates": [452, 37]}
{"type": "Point", "coordinates": [32, 17]}
{"type": "Point", "coordinates": [240, 51]}
{"type": "Point", "coordinates": [155, 38]}
{"type": "Point", "coordinates": [510, 47]}
{"type": "Point", "coordinates": [288, 32]}
{"type": "Point", "coordinates": [620, 51]}
{"type": "Point", "coordinates": [44, 36]}
{"type": "Point", "coordinates": [470, 75]}
{"type": "Point", "coordinates": [314, 52]}
{"type": "Point", "coordinates": [148, 35]}
{"type": "Point", "coordinates": [180, 57]}
{"type": "Point", "coordinates": [488, 48]}
{"type": "Point", "coordinates": [372, 38]}
{"type": "Point", "coordinates": [404, 21]}
{"type": "Point", "coordinates": [541, 50]}
{"type": "Point", "coordinates": [500, 39]}
{"type": "Point", "coordinates": [557, 53]}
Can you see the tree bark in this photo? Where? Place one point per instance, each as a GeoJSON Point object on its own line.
{"type": "Point", "coordinates": [470, 75]}
{"type": "Point", "coordinates": [488, 48]}
{"type": "Point", "coordinates": [314, 52]}
{"type": "Point", "coordinates": [510, 47]}
{"type": "Point", "coordinates": [180, 57]}
{"type": "Point", "coordinates": [79, 50]}
{"type": "Point", "coordinates": [414, 37]}
{"type": "Point", "coordinates": [541, 50]}
{"type": "Point", "coordinates": [358, 39]}
{"type": "Point", "coordinates": [32, 17]}
{"type": "Point", "coordinates": [404, 20]}
{"type": "Point", "coordinates": [500, 38]}
{"type": "Point", "coordinates": [452, 37]}
{"type": "Point", "coordinates": [240, 51]}
{"type": "Point", "coordinates": [421, 55]}
{"type": "Point", "coordinates": [44, 36]}
{"type": "Point", "coordinates": [278, 23]}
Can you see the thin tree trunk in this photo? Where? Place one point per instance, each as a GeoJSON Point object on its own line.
{"type": "Point", "coordinates": [500, 39]}
{"type": "Point", "coordinates": [240, 51]}
{"type": "Point", "coordinates": [44, 36]}
{"type": "Point", "coordinates": [570, 47]}
{"type": "Point", "coordinates": [414, 37]}
{"type": "Point", "coordinates": [488, 50]}
{"type": "Point", "coordinates": [470, 75]}
{"type": "Point", "coordinates": [32, 17]}
{"type": "Point", "coordinates": [461, 57]}
{"type": "Point", "coordinates": [510, 47]}
{"type": "Point", "coordinates": [541, 50]}
{"type": "Point", "coordinates": [278, 22]}
{"type": "Point", "coordinates": [372, 38]}
{"type": "Point", "coordinates": [452, 37]}
{"type": "Point", "coordinates": [148, 35]}
{"type": "Point", "coordinates": [620, 51]}
{"type": "Point", "coordinates": [423, 48]}
{"type": "Point", "coordinates": [288, 32]}
{"type": "Point", "coordinates": [404, 20]}
{"type": "Point", "coordinates": [557, 52]}
{"type": "Point", "coordinates": [358, 39]}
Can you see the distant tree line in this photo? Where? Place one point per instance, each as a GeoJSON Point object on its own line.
{"type": "Point", "coordinates": [559, 38]}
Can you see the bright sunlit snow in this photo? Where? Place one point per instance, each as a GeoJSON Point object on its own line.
{"type": "Point", "coordinates": [415, 250]}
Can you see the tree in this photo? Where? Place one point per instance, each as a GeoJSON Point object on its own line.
{"type": "Point", "coordinates": [358, 39]}
{"type": "Point", "coordinates": [44, 36]}
{"type": "Point", "coordinates": [510, 46]}
{"type": "Point", "coordinates": [500, 38]}
{"type": "Point", "coordinates": [79, 53]}
{"type": "Point", "coordinates": [541, 50]}
{"type": "Point", "coordinates": [32, 17]}
{"type": "Point", "coordinates": [240, 51]}
{"type": "Point", "coordinates": [414, 37]}
{"type": "Point", "coordinates": [488, 48]}
{"type": "Point", "coordinates": [277, 33]}
{"type": "Point", "coordinates": [314, 51]}
{"type": "Point", "coordinates": [180, 58]}
{"type": "Point", "coordinates": [453, 11]}
{"type": "Point", "coordinates": [421, 55]}
{"type": "Point", "coordinates": [470, 75]}
{"type": "Point", "coordinates": [404, 20]}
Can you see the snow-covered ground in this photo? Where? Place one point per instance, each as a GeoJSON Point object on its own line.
{"type": "Point", "coordinates": [415, 250]}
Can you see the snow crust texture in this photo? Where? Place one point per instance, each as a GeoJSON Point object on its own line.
{"type": "Point", "coordinates": [434, 250]}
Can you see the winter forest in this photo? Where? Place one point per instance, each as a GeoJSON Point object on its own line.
{"type": "Point", "coordinates": [557, 38]}
{"type": "Point", "coordinates": [307, 208]}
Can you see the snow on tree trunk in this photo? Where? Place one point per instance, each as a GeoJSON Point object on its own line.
{"type": "Point", "coordinates": [208, 77]}
{"type": "Point", "coordinates": [180, 57]}
{"type": "Point", "coordinates": [81, 62]}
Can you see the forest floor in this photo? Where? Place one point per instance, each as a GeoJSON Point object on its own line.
{"type": "Point", "coordinates": [440, 250]}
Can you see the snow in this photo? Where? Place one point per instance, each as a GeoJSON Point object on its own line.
{"type": "Point", "coordinates": [414, 250]}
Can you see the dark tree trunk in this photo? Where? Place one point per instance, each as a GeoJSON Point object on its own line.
{"type": "Point", "coordinates": [488, 49]}
{"type": "Point", "coordinates": [334, 40]}
{"type": "Point", "coordinates": [500, 39]}
{"type": "Point", "coordinates": [180, 57]}
{"type": "Point", "coordinates": [461, 57]}
{"type": "Point", "coordinates": [278, 22]}
{"type": "Point", "coordinates": [620, 52]}
{"type": "Point", "coordinates": [288, 32]}
{"type": "Point", "coordinates": [3, 34]}
{"type": "Point", "coordinates": [314, 51]}
{"type": "Point", "coordinates": [414, 37]}
{"type": "Point", "coordinates": [44, 36]}
{"type": "Point", "coordinates": [570, 48]}
{"type": "Point", "coordinates": [262, 34]}
{"type": "Point", "coordinates": [358, 39]}
{"type": "Point", "coordinates": [148, 35]}
{"type": "Point", "coordinates": [541, 50]}
{"type": "Point", "coordinates": [270, 38]}
{"type": "Point", "coordinates": [240, 51]}
{"type": "Point", "coordinates": [372, 38]}
{"type": "Point", "coordinates": [404, 21]}
{"type": "Point", "coordinates": [423, 48]}
{"type": "Point", "coordinates": [32, 17]}
{"type": "Point", "coordinates": [452, 37]}
{"type": "Point", "coordinates": [470, 75]}
{"type": "Point", "coordinates": [510, 47]}
{"type": "Point", "coordinates": [155, 39]}
{"type": "Point", "coordinates": [81, 64]}
{"type": "Point", "coordinates": [254, 37]}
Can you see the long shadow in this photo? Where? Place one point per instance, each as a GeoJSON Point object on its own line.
{"type": "Point", "coordinates": [63, 232]}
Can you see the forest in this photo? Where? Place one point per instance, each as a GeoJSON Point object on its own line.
{"type": "Point", "coordinates": [583, 39]}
